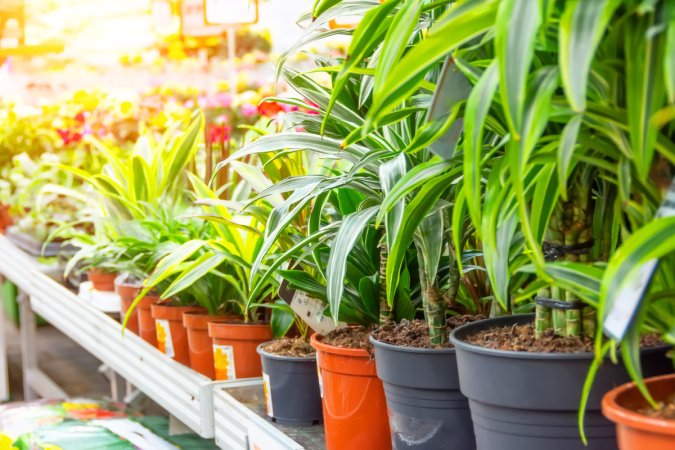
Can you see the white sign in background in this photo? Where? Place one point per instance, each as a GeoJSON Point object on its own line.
{"type": "Point", "coordinates": [231, 12]}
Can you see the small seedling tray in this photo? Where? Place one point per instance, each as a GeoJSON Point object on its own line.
{"type": "Point", "coordinates": [241, 421]}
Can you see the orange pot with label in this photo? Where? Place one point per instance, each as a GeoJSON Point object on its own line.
{"type": "Point", "coordinates": [354, 406]}
{"type": "Point", "coordinates": [101, 280]}
{"type": "Point", "coordinates": [637, 431]}
{"type": "Point", "coordinates": [171, 333]}
{"type": "Point", "coordinates": [200, 344]}
{"type": "Point", "coordinates": [146, 323]}
{"type": "Point", "coordinates": [235, 349]}
{"type": "Point", "coordinates": [127, 293]}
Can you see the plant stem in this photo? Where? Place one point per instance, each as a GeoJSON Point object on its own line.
{"type": "Point", "coordinates": [434, 311]}
{"type": "Point", "coordinates": [386, 315]}
{"type": "Point", "coordinates": [542, 321]}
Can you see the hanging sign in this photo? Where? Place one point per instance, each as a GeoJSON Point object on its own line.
{"type": "Point", "coordinates": [230, 12]}
{"type": "Point", "coordinates": [192, 20]}
{"type": "Point", "coordinates": [625, 305]}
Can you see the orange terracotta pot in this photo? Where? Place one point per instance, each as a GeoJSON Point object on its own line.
{"type": "Point", "coordinates": [103, 281]}
{"type": "Point", "coordinates": [171, 334]}
{"type": "Point", "coordinates": [200, 344]}
{"type": "Point", "coordinates": [127, 293]}
{"type": "Point", "coordinates": [636, 431]}
{"type": "Point", "coordinates": [354, 406]}
{"type": "Point", "coordinates": [146, 323]}
{"type": "Point", "coordinates": [235, 349]}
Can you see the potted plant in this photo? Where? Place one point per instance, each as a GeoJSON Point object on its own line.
{"type": "Point", "coordinates": [289, 371]}
{"type": "Point", "coordinates": [154, 200]}
{"type": "Point", "coordinates": [541, 190]}
{"type": "Point", "coordinates": [544, 190]}
{"type": "Point", "coordinates": [643, 410]}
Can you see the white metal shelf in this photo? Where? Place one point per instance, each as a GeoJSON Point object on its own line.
{"type": "Point", "coordinates": [240, 426]}
{"type": "Point", "coordinates": [184, 393]}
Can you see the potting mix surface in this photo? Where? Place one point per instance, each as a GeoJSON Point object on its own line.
{"type": "Point", "coordinates": [297, 347]}
{"type": "Point", "coordinates": [415, 333]}
{"type": "Point", "coordinates": [665, 410]}
{"type": "Point", "coordinates": [521, 338]}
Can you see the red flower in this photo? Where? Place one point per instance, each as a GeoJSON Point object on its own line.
{"type": "Point", "coordinates": [219, 133]}
{"type": "Point", "coordinates": [68, 136]}
{"type": "Point", "coordinates": [269, 109]}
{"type": "Point", "coordinates": [80, 118]}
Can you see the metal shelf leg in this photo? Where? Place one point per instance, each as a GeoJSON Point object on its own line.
{"type": "Point", "coordinates": [28, 344]}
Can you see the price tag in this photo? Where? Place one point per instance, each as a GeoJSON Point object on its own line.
{"type": "Point", "coordinates": [624, 306]}
{"type": "Point", "coordinates": [311, 311]}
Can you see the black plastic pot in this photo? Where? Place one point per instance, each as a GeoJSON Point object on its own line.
{"type": "Point", "coordinates": [292, 388]}
{"type": "Point", "coordinates": [426, 408]}
{"type": "Point", "coordinates": [530, 401]}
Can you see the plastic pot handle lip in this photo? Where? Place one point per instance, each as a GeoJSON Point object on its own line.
{"type": "Point", "coordinates": [457, 335]}
{"type": "Point", "coordinates": [265, 354]}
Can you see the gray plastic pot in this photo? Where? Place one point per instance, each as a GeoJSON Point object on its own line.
{"type": "Point", "coordinates": [426, 408]}
{"type": "Point", "coordinates": [530, 401]}
{"type": "Point", "coordinates": [292, 388]}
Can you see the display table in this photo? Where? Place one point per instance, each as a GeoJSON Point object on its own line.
{"type": "Point", "coordinates": [184, 393]}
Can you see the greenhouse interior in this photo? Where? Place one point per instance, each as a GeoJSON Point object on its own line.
{"type": "Point", "coordinates": [337, 224]}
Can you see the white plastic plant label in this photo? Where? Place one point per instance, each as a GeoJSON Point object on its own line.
{"type": "Point", "coordinates": [268, 394]}
{"type": "Point", "coordinates": [223, 360]}
{"type": "Point", "coordinates": [311, 310]}
{"type": "Point", "coordinates": [623, 307]}
{"type": "Point", "coordinates": [164, 341]}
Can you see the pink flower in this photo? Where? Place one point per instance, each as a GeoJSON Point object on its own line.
{"type": "Point", "coordinates": [311, 103]}
{"type": "Point", "coordinates": [222, 99]}
{"type": "Point", "coordinates": [249, 110]}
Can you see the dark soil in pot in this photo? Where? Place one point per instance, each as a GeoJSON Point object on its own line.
{"type": "Point", "coordinates": [426, 408]}
{"type": "Point", "coordinates": [291, 385]}
{"type": "Point", "coordinates": [529, 400]}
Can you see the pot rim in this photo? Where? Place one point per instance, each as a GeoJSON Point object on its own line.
{"type": "Point", "coordinates": [342, 351]}
{"type": "Point", "coordinates": [460, 344]}
{"type": "Point", "coordinates": [623, 416]}
{"type": "Point", "coordinates": [269, 355]}
{"type": "Point", "coordinates": [400, 348]}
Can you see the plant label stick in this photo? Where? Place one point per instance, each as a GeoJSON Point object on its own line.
{"type": "Point", "coordinates": [623, 308]}
{"type": "Point", "coordinates": [309, 309]}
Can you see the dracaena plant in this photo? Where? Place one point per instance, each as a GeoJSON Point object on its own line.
{"type": "Point", "coordinates": [556, 138]}
{"type": "Point", "coordinates": [411, 151]}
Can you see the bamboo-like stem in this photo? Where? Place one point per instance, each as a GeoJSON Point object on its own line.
{"type": "Point", "coordinates": [386, 315]}
{"type": "Point", "coordinates": [434, 310]}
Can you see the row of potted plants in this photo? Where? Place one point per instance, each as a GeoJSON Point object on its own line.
{"type": "Point", "coordinates": [480, 137]}
{"type": "Point", "coordinates": [467, 160]}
